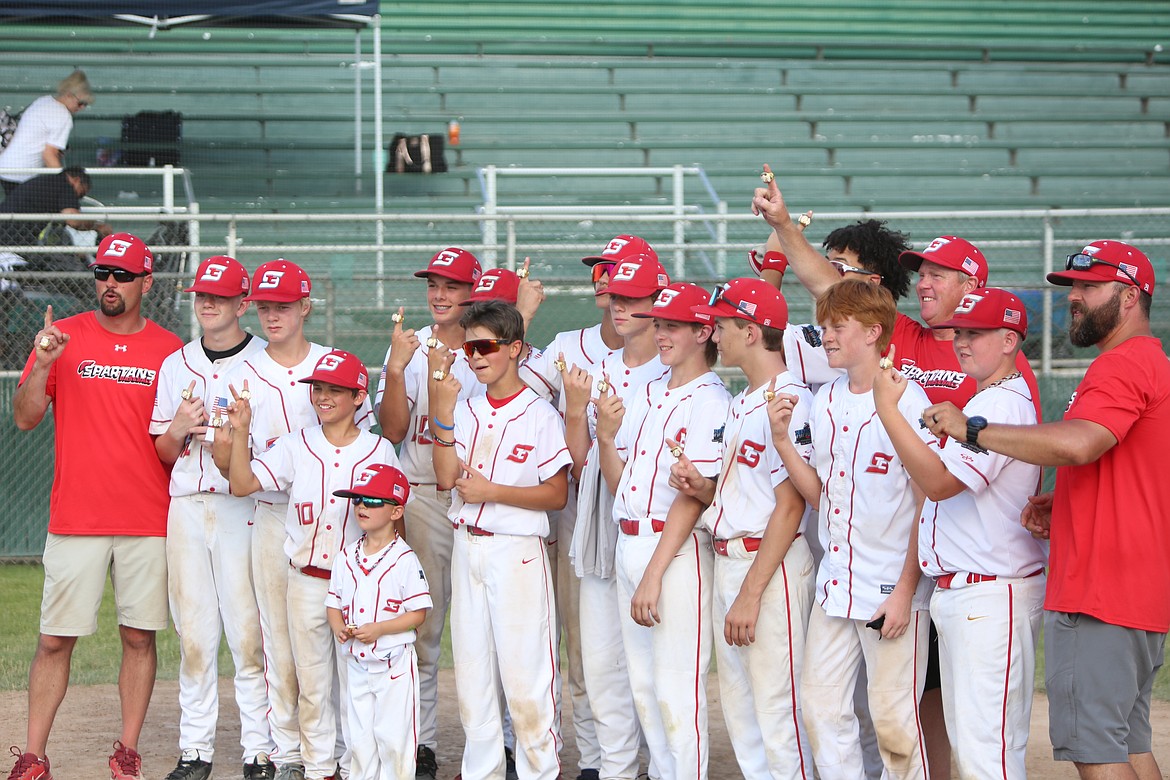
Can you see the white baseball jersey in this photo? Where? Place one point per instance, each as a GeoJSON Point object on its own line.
{"type": "Point", "coordinates": [806, 357]}
{"type": "Point", "coordinates": [745, 493]}
{"type": "Point", "coordinates": [624, 381]}
{"type": "Point", "coordinates": [583, 348]}
{"type": "Point", "coordinates": [979, 529]}
{"type": "Point", "coordinates": [195, 471]}
{"type": "Point", "coordinates": [281, 403]}
{"type": "Point", "coordinates": [867, 503]}
{"type": "Point", "coordinates": [417, 447]}
{"type": "Point", "coordinates": [693, 415]}
{"type": "Point", "coordinates": [306, 465]}
{"type": "Point", "coordinates": [521, 443]}
{"type": "Point", "coordinates": [372, 588]}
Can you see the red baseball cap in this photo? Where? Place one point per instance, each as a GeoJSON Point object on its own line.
{"type": "Point", "coordinates": [760, 260]}
{"type": "Point", "coordinates": [220, 275]}
{"type": "Point", "coordinates": [455, 264]}
{"type": "Point", "coordinates": [990, 308]}
{"type": "Point", "coordinates": [622, 248]}
{"type": "Point", "coordinates": [677, 303]}
{"type": "Point", "coordinates": [379, 480]}
{"type": "Point", "coordinates": [753, 300]}
{"type": "Point", "coordinates": [125, 251]}
{"type": "Point", "coordinates": [951, 252]}
{"type": "Point", "coordinates": [1108, 261]}
{"type": "Point", "coordinates": [280, 281]}
{"type": "Point", "coordinates": [496, 284]}
{"type": "Point", "coordinates": [637, 277]}
{"type": "Point", "coordinates": [340, 368]}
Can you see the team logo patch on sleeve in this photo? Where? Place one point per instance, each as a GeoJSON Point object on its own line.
{"type": "Point", "coordinates": [811, 335]}
{"type": "Point", "coordinates": [803, 437]}
{"type": "Point", "coordinates": [717, 435]}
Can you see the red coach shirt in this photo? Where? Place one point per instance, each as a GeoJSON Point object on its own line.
{"type": "Point", "coordinates": [933, 364]}
{"type": "Point", "coordinates": [1110, 547]}
{"type": "Point", "coordinates": [107, 478]}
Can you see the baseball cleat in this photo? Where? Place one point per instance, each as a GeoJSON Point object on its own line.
{"type": "Point", "coordinates": [260, 768]}
{"type": "Point", "coordinates": [125, 764]}
{"type": "Point", "coordinates": [190, 768]}
{"type": "Point", "coordinates": [425, 764]}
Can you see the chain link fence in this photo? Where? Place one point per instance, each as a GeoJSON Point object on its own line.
{"type": "Point", "coordinates": [362, 269]}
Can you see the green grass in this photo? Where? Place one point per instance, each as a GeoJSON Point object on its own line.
{"type": "Point", "coordinates": [96, 658]}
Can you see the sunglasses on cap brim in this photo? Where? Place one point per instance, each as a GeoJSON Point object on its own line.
{"type": "Point", "coordinates": [483, 346]}
{"type": "Point", "coordinates": [717, 295]}
{"type": "Point", "coordinates": [1083, 262]}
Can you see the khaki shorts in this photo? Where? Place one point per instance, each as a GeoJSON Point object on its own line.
{"type": "Point", "coordinates": [75, 579]}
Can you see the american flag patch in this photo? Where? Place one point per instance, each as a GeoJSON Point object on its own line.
{"type": "Point", "coordinates": [1011, 317]}
{"type": "Point", "coordinates": [219, 406]}
{"type": "Point", "coordinates": [970, 266]}
{"type": "Point", "coordinates": [748, 308]}
{"type": "Point", "coordinates": [398, 491]}
{"type": "Point", "coordinates": [1126, 268]}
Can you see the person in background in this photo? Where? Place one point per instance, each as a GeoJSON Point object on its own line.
{"type": "Point", "coordinates": [43, 133]}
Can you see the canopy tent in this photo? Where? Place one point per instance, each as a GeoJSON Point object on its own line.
{"type": "Point", "coordinates": [167, 14]}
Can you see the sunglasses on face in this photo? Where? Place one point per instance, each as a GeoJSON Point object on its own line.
{"type": "Point", "coordinates": [102, 273]}
{"type": "Point", "coordinates": [373, 503]}
{"type": "Point", "coordinates": [717, 296]}
{"type": "Point", "coordinates": [844, 268]}
{"type": "Point", "coordinates": [1083, 262]}
{"type": "Point", "coordinates": [600, 270]}
{"type": "Point", "coordinates": [483, 346]}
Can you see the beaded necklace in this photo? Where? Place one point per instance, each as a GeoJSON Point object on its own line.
{"type": "Point", "coordinates": [357, 554]}
{"type": "Point", "coordinates": [998, 382]}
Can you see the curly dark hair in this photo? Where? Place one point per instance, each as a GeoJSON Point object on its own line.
{"type": "Point", "coordinates": [877, 249]}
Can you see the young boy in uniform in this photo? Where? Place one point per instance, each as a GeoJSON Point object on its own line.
{"type": "Point", "coordinates": [504, 454]}
{"type": "Point", "coordinates": [403, 407]}
{"type": "Point", "coordinates": [309, 464]}
{"type": "Point", "coordinates": [663, 564]}
{"type": "Point", "coordinates": [763, 567]}
{"type": "Point", "coordinates": [209, 531]}
{"type": "Point", "coordinates": [378, 596]}
{"type": "Point", "coordinates": [280, 403]}
{"type": "Point", "coordinates": [970, 542]}
{"type": "Point", "coordinates": [868, 583]}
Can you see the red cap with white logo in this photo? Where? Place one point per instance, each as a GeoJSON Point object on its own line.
{"type": "Point", "coordinates": [125, 251]}
{"type": "Point", "coordinates": [637, 277]}
{"type": "Point", "coordinates": [340, 368]}
{"type": "Point", "coordinates": [622, 248]}
{"type": "Point", "coordinates": [952, 252]}
{"type": "Point", "coordinates": [677, 303]}
{"type": "Point", "coordinates": [280, 281]}
{"type": "Point", "coordinates": [753, 300]}
{"type": "Point", "coordinates": [220, 275]}
{"type": "Point", "coordinates": [455, 264]}
{"type": "Point", "coordinates": [989, 308]}
{"type": "Point", "coordinates": [496, 284]}
{"type": "Point", "coordinates": [1109, 261]}
{"type": "Point", "coordinates": [379, 480]}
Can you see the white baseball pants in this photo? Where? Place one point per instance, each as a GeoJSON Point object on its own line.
{"type": "Point", "coordinates": [897, 674]}
{"type": "Point", "coordinates": [320, 678]}
{"type": "Point", "coordinates": [209, 575]}
{"type": "Point", "coordinates": [270, 578]}
{"type": "Point", "coordinates": [758, 684]}
{"type": "Point", "coordinates": [502, 622]}
{"type": "Point", "coordinates": [668, 663]}
{"type": "Point", "coordinates": [987, 652]}
{"type": "Point", "coordinates": [382, 707]}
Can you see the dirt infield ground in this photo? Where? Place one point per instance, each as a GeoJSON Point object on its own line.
{"type": "Point", "coordinates": [88, 723]}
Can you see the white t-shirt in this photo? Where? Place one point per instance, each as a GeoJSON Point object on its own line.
{"type": "Point", "coordinates": [583, 348]}
{"type": "Point", "coordinates": [979, 529]}
{"type": "Point", "coordinates": [45, 122]}
{"type": "Point", "coordinates": [867, 503]}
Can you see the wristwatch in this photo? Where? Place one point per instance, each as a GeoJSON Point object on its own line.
{"type": "Point", "coordinates": [974, 426]}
